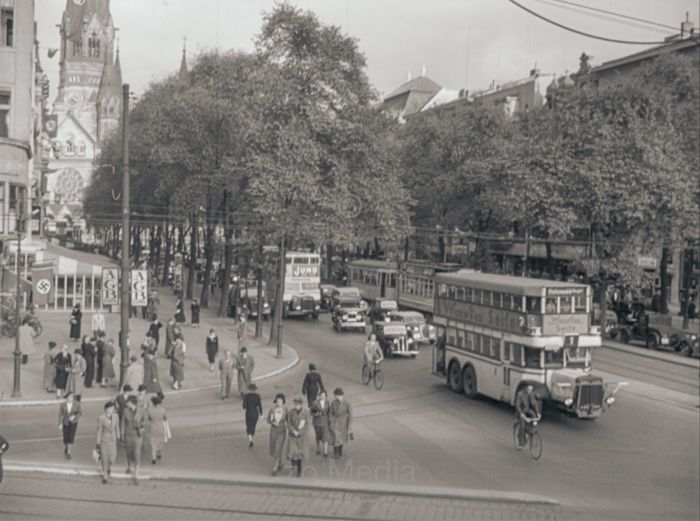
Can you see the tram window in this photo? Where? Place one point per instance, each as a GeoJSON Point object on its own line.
{"type": "Point", "coordinates": [451, 291]}
{"type": "Point", "coordinates": [477, 296]}
{"type": "Point", "coordinates": [532, 358]}
{"type": "Point", "coordinates": [534, 304]}
{"type": "Point", "coordinates": [486, 345]}
{"type": "Point", "coordinates": [477, 343]}
{"type": "Point", "coordinates": [486, 298]}
{"type": "Point", "coordinates": [554, 358]}
{"type": "Point", "coordinates": [468, 294]}
{"type": "Point", "coordinates": [431, 288]}
{"type": "Point", "coordinates": [469, 339]}
{"type": "Point", "coordinates": [460, 294]}
{"type": "Point", "coordinates": [497, 299]}
{"type": "Point", "coordinates": [565, 305]}
{"type": "Point", "coordinates": [551, 305]}
{"type": "Point", "coordinates": [506, 351]}
{"type": "Point", "coordinates": [442, 290]}
{"type": "Point", "coordinates": [451, 336]}
{"type": "Point", "coordinates": [392, 280]}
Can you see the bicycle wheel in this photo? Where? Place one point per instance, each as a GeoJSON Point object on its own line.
{"type": "Point", "coordinates": [366, 375]}
{"type": "Point", "coordinates": [535, 445]}
{"type": "Point", "coordinates": [516, 435]}
{"type": "Point", "coordinates": [378, 379]}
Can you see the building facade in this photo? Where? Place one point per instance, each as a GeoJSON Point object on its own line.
{"type": "Point", "coordinates": [88, 104]}
{"type": "Point", "coordinates": [17, 72]}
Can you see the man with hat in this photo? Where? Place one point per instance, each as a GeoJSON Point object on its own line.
{"type": "Point", "coordinates": [313, 384]}
{"type": "Point", "coordinates": [297, 428]}
{"type": "Point", "coordinates": [245, 365]}
{"type": "Point", "coordinates": [340, 421]}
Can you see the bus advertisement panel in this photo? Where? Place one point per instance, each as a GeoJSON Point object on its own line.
{"type": "Point", "coordinates": [302, 284]}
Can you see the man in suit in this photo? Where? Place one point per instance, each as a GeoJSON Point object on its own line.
{"type": "Point", "coordinates": [313, 385]}
{"type": "Point", "coordinates": [226, 369]}
{"type": "Point", "coordinates": [132, 429]}
{"type": "Point", "coordinates": [170, 337]}
{"type": "Point", "coordinates": [107, 436]}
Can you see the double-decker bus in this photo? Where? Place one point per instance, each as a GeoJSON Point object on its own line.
{"type": "Point", "coordinates": [302, 285]}
{"type": "Point", "coordinates": [497, 333]}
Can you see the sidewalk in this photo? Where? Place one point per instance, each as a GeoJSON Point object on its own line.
{"type": "Point", "coordinates": [197, 374]}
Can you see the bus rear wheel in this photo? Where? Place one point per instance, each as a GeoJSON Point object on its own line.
{"type": "Point", "coordinates": [454, 377]}
{"type": "Point", "coordinates": [469, 382]}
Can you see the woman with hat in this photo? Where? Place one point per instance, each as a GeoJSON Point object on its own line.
{"type": "Point", "coordinates": [158, 429]}
{"type": "Point", "coordinates": [107, 437]}
{"type": "Point", "coordinates": [77, 373]}
{"type": "Point", "coordinates": [49, 368]}
{"type": "Point", "coordinates": [340, 421]}
{"type": "Point", "coordinates": [253, 410]}
{"type": "Point", "coordinates": [277, 418]}
{"type": "Point", "coordinates": [63, 363]}
{"type": "Point", "coordinates": [132, 429]}
{"type": "Point", "coordinates": [298, 427]}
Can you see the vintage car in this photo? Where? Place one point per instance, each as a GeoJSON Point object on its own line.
{"type": "Point", "coordinates": [653, 331]}
{"type": "Point", "coordinates": [348, 312]}
{"type": "Point", "coordinates": [394, 340]}
{"type": "Point", "coordinates": [327, 296]}
{"type": "Point", "coordinates": [418, 329]}
{"type": "Point", "coordinates": [249, 302]}
{"type": "Point", "coordinates": [382, 309]}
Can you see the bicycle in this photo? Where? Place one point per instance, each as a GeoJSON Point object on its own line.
{"type": "Point", "coordinates": [530, 437]}
{"type": "Point", "coordinates": [375, 373]}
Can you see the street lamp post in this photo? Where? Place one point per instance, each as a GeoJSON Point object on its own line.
{"type": "Point", "coordinates": [123, 338]}
{"type": "Point", "coordinates": [280, 296]}
{"type": "Point", "coordinates": [16, 393]}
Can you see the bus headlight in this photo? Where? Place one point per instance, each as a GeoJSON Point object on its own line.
{"type": "Point", "coordinates": [568, 402]}
{"type": "Point", "coordinates": [610, 400]}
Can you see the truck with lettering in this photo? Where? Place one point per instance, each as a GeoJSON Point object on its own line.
{"type": "Point", "coordinates": [498, 333]}
{"type": "Point", "coordinates": [302, 285]}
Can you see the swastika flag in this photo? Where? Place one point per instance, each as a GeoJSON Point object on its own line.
{"type": "Point", "coordinates": [42, 284]}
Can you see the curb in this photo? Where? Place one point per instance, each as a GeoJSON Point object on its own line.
{"type": "Point", "coordinates": [642, 352]}
{"type": "Point", "coordinates": [352, 487]}
{"type": "Point", "coordinates": [44, 403]}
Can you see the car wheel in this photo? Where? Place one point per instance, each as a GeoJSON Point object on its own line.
{"type": "Point", "coordinates": [469, 382]}
{"type": "Point", "coordinates": [454, 377]}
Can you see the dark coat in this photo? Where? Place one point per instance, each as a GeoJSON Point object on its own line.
{"type": "Point", "coordinates": [154, 330]}
{"type": "Point", "coordinates": [76, 316]}
{"type": "Point", "coordinates": [150, 376]}
{"type": "Point", "coordinates": [212, 348]}
{"type": "Point", "coordinates": [252, 405]}
{"type": "Point", "coordinates": [63, 365]}
{"type": "Point", "coordinates": [313, 384]}
{"type": "Point", "coordinates": [89, 354]}
{"type": "Point", "coordinates": [194, 309]}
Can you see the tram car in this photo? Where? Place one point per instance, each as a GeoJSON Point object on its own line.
{"type": "Point", "coordinates": [374, 278]}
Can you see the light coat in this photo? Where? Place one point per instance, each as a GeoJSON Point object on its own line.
{"type": "Point", "coordinates": [134, 375]}
{"type": "Point", "coordinates": [107, 435]}
{"type": "Point", "coordinates": [98, 322]}
{"type": "Point", "coordinates": [297, 429]}
{"type": "Point", "coordinates": [340, 421]}
{"type": "Point", "coordinates": [244, 366]}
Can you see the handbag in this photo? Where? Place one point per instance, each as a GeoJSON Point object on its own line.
{"type": "Point", "coordinates": [166, 428]}
{"type": "Point", "coordinates": [96, 455]}
{"type": "Point", "coordinates": [4, 446]}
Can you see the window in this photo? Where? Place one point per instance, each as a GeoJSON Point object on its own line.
{"type": "Point", "coordinates": [554, 359]}
{"type": "Point", "coordinates": [565, 305]}
{"type": "Point", "coordinates": [7, 27]}
{"type": "Point", "coordinates": [477, 343]}
{"type": "Point", "coordinates": [477, 296]}
{"type": "Point", "coordinates": [468, 294]}
{"type": "Point", "coordinates": [5, 99]}
{"type": "Point", "coordinates": [78, 48]}
{"type": "Point", "coordinates": [495, 348]}
{"type": "Point", "coordinates": [451, 291]}
{"type": "Point", "coordinates": [551, 305]}
{"type": "Point", "coordinates": [2, 206]}
{"type": "Point", "coordinates": [460, 294]}
{"type": "Point", "coordinates": [450, 336]}
{"type": "Point", "coordinates": [442, 290]}
{"type": "Point", "coordinates": [93, 46]}
{"type": "Point", "coordinates": [517, 303]}
{"type": "Point", "coordinates": [532, 358]}
{"type": "Point", "coordinates": [69, 150]}
{"type": "Point", "coordinates": [486, 345]}
{"type": "Point", "coordinates": [580, 304]}
{"type": "Point", "coordinates": [81, 148]}
{"type": "Point", "coordinates": [460, 339]}
{"type": "Point", "coordinates": [487, 298]}
{"type": "Point", "coordinates": [497, 299]}
{"type": "Point", "coordinates": [506, 351]}
{"type": "Point", "coordinates": [469, 341]}
{"type": "Point", "coordinates": [534, 304]}
{"type": "Point", "coordinates": [392, 280]}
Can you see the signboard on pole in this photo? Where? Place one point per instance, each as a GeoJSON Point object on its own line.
{"type": "Point", "coordinates": [110, 286]}
{"type": "Point", "coordinates": [43, 284]}
{"type": "Point", "coordinates": [139, 287]}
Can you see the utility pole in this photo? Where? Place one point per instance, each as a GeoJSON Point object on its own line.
{"type": "Point", "coordinates": [16, 393]}
{"type": "Point", "coordinates": [123, 338]}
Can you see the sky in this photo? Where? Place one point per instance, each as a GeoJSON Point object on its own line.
{"type": "Point", "coordinates": [459, 43]}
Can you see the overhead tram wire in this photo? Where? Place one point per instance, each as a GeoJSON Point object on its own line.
{"type": "Point", "coordinates": [613, 13]}
{"type": "Point", "coordinates": [609, 18]}
{"type": "Point", "coordinates": [582, 33]}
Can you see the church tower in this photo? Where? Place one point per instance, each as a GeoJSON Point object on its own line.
{"type": "Point", "coordinates": [88, 103]}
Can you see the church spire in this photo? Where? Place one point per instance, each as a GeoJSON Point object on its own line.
{"type": "Point", "coordinates": [117, 68]}
{"type": "Point", "coordinates": [183, 62]}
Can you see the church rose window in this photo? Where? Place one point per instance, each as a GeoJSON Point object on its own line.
{"type": "Point", "coordinates": [69, 185]}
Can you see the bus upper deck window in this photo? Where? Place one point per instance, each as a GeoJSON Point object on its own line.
{"type": "Point", "coordinates": [534, 304]}
{"type": "Point", "coordinates": [565, 305]}
{"type": "Point", "coordinates": [517, 303]}
{"type": "Point", "coordinates": [551, 305]}
{"type": "Point", "coordinates": [468, 294]}
{"type": "Point", "coordinates": [442, 290]}
{"type": "Point", "coordinates": [477, 296]}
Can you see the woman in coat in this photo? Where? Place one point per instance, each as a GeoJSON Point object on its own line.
{"type": "Point", "coordinates": [107, 436]}
{"type": "Point", "coordinates": [154, 329]}
{"type": "Point", "coordinates": [68, 415]}
{"type": "Point", "coordinates": [132, 428]}
{"type": "Point", "coordinates": [297, 428]}
{"type": "Point", "coordinates": [212, 348]}
{"type": "Point", "coordinates": [244, 365]}
{"type": "Point", "coordinates": [108, 363]}
{"type": "Point", "coordinates": [253, 410]}
{"type": "Point", "coordinates": [89, 354]}
{"type": "Point", "coordinates": [62, 362]}
{"type": "Point", "coordinates": [158, 429]}
{"type": "Point", "coordinates": [177, 363]}
{"type": "Point", "coordinates": [340, 421]}
{"type": "Point", "coordinates": [180, 312]}
{"type": "Point", "coordinates": [194, 309]}
{"type": "Point", "coordinates": [319, 418]}
{"type": "Point", "coordinates": [277, 418]}
{"type": "Point", "coordinates": [49, 368]}
{"type": "Point", "coordinates": [151, 379]}
{"type": "Point", "coordinates": [75, 318]}
{"type": "Point", "coordinates": [77, 373]}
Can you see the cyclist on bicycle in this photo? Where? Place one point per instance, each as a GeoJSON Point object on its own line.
{"type": "Point", "coordinates": [527, 407]}
{"type": "Point", "coordinates": [373, 355]}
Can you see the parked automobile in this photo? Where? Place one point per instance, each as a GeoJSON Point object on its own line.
{"type": "Point", "coordinates": [382, 309]}
{"type": "Point", "coordinates": [418, 329]}
{"type": "Point", "coordinates": [649, 331]}
{"type": "Point", "coordinates": [394, 340]}
{"type": "Point", "coordinates": [249, 302]}
{"type": "Point", "coordinates": [688, 344]}
{"type": "Point", "coordinates": [327, 296]}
